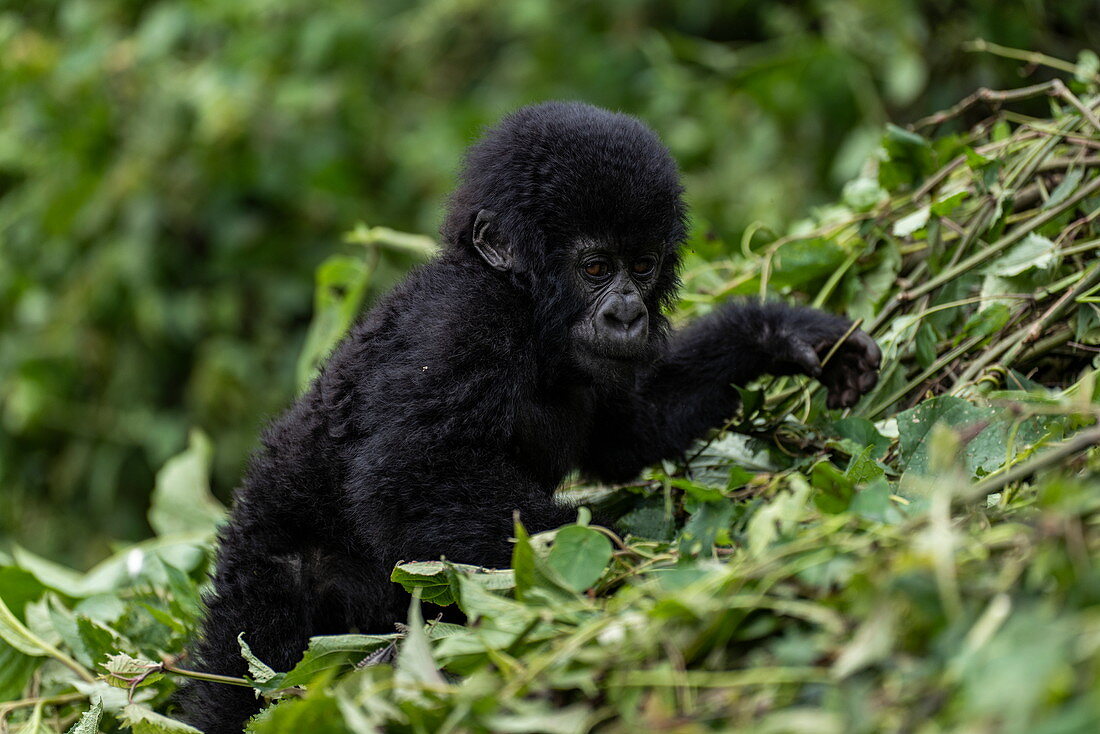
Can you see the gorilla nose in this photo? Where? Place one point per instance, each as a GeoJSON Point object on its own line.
{"type": "Point", "coordinates": [625, 319]}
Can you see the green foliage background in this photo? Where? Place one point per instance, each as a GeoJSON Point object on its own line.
{"type": "Point", "coordinates": [197, 198]}
{"type": "Point", "coordinates": [172, 172]}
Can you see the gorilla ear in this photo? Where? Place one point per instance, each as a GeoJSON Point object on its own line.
{"type": "Point", "coordinates": [493, 251]}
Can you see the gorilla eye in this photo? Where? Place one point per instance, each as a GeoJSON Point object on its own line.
{"type": "Point", "coordinates": [596, 268]}
{"type": "Point", "coordinates": [644, 265]}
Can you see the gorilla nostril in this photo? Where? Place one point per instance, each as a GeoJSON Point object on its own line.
{"type": "Point", "coordinates": [625, 321]}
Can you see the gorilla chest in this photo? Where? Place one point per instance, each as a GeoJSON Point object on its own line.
{"type": "Point", "coordinates": [552, 435]}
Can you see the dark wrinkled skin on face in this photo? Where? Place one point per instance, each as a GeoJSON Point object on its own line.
{"type": "Point", "coordinates": [610, 338]}
{"type": "Point", "coordinates": [534, 346]}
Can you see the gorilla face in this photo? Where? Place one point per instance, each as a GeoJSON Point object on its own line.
{"type": "Point", "coordinates": [612, 333]}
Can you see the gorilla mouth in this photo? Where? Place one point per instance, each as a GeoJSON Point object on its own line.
{"type": "Point", "coordinates": [616, 352]}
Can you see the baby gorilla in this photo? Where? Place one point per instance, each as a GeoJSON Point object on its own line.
{"type": "Point", "coordinates": [536, 344]}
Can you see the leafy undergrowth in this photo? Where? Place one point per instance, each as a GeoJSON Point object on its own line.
{"type": "Point", "coordinates": [927, 562]}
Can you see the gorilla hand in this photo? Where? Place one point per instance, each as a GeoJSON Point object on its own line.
{"type": "Point", "coordinates": [848, 373]}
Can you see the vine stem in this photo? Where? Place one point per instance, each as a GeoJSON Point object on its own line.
{"type": "Point", "coordinates": [210, 677]}
{"type": "Point", "coordinates": [980, 45]}
{"type": "Point", "coordinates": [9, 706]}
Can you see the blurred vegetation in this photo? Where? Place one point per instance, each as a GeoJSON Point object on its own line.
{"type": "Point", "coordinates": [171, 173]}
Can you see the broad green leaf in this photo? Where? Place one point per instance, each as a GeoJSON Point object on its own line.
{"type": "Point", "coordinates": [946, 205]}
{"type": "Point", "coordinates": [580, 555]}
{"type": "Point", "coordinates": [182, 502]}
{"type": "Point", "coordinates": [863, 194]}
{"type": "Point", "coordinates": [834, 488]}
{"type": "Point", "coordinates": [984, 452]}
{"type": "Point", "coordinates": [536, 581]}
{"type": "Point", "coordinates": [709, 524]}
{"type": "Point", "coordinates": [415, 664]}
{"type": "Point", "coordinates": [16, 668]}
{"type": "Point", "coordinates": [314, 714]}
{"type": "Point", "coordinates": [863, 469]}
{"type": "Point", "coordinates": [144, 720]}
{"type": "Point", "coordinates": [88, 641]}
{"type": "Point", "coordinates": [327, 654]}
{"type": "Point", "coordinates": [16, 634]}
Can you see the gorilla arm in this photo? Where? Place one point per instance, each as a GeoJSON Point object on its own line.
{"type": "Point", "coordinates": [688, 389]}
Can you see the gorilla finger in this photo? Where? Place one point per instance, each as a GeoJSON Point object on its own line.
{"type": "Point", "coordinates": [867, 381]}
{"type": "Point", "coordinates": [868, 347]}
{"type": "Point", "coordinates": [805, 357]}
{"type": "Point", "coordinates": [849, 398]}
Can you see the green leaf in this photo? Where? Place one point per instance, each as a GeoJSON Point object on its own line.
{"type": "Point", "coordinates": [579, 555]}
{"type": "Point", "coordinates": [415, 663]}
{"type": "Point", "coordinates": [945, 206]}
{"type": "Point", "coordinates": [89, 720]}
{"type": "Point", "coordinates": [144, 720]}
{"type": "Point", "coordinates": [924, 346]}
{"type": "Point", "coordinates": [909, 224]}
{"type": "Point", "coordinates": [986, 322]}
{"type": "Point", "coordinates": [88, 641]}
{"type": "Point", "coordinates": [985, 452]}
{"type": "Point", "coordinates": [1088, 67]}
{"type": "Point", "coordinates": [835, 489]}
{"type": "Point", "coordinates": [260, 671]}
{"type": "Point", "coordinates": [778, 517]}
{"type": "Point", "coordinates": [863, 469]}
{"type": "Point", "coordinates": [430, 577]}
{"type": "Point", "coordinates": [314, 714]}
{"type": "Point", "coordinates": [125, 671]}
{"type": "Point", "coordinates": [708, 524]}
{"type": "Point", "coordinates": [16, 669]}
{"type": "Point", "coordinates": [324, 654]}
{"type": "Point", "coordinates": [862, 433]}
{"type": "Point", "coordinates": [341, 285]}
{"type": "Point", "coordinates": [863, 194]}
{"type": "Point", "coordinates": [16, 634]}
{"type": "Point", "coordinates": [902, 135]}
{"type": "Point", "coordinates": [1066, 187]}
{"type": "Point", "coordinates": [182, 502]}
{"type": "Point", "coordinates": [1034, 251]}
{"type": "Point", "coordinates": [536, 582]}
{"type": "Point", "coordinates": [436, 582]}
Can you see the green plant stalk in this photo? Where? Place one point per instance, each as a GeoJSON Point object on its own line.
{"type": "Point", "coordinates": [936, 366]}
{"type": "Point", "coordinates": [1012, 344]}
{"type": "Point", "coordinates": [1004, 242]}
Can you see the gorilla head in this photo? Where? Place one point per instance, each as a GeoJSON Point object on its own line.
{"type": "Point", "coordinates": [583, 208]}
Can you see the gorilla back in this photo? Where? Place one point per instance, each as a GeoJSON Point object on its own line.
{"type": "Point", "coordinates": [534, 345]}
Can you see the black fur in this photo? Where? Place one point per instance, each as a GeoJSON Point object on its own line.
{"type": "Point", "coordinates": [462, 396]}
